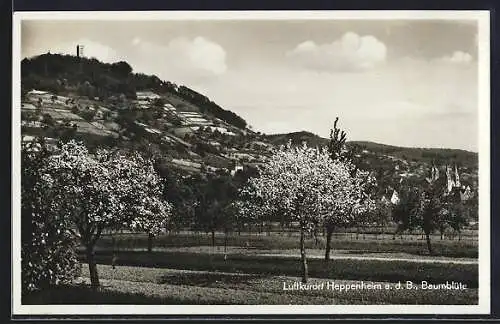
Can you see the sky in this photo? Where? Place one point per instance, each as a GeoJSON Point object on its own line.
{"type": "Point", "coordinates": [400, 82]}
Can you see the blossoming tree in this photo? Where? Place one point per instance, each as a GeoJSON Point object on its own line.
{"type": "Point", "coordinates": [307, 184]}
{"type": "Point", "coordinates": [356, 208]}
{"type": "Point", "coordinates": [105, 190]}
{"type": "Point", "coordinates": [47, 249]}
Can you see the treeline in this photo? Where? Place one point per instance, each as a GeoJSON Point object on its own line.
{"type": "Point", "coordinates": [437, 155]}
{"type": "Point", "coordinates": [92, 78]}
{"type": "Point", "coordinates": [297, 138]}
{"type": "Point", "coordinates": [59, 73]}
{"type": "Point", "coordinates": [415, 154]}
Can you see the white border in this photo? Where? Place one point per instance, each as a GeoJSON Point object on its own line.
{"type": "Point", "coordinates": [483, 19]}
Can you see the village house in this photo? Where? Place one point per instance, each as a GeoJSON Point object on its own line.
{"type": "Point", "coordinates": [32, 123]}
{"type": "Point", "coordinates": [27, 106]}
{"type": "Point", "coordinates": [38, 96]}
{"type": "Point", "coordinates": [236, 168]}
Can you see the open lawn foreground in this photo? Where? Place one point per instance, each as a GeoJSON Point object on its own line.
{"type": "Point", "coordinates": [161, 277]}
{"type": "Point", "coordinates": [184, 269]}
{"type": "Point", "coordinates": [141, 285]}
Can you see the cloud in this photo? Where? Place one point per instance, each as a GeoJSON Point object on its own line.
{"type": "Point", "coordinates": [351, 52]}
{"type": "Point", "coordinates": [182, 58]}
{"type": "Point", "coordinates": [136, 41]}
{"type": "Point", "coordinates": [91, 49]}
{"type": "Point", "coordinates": [381, 105]}
{"type": "Point", "coordinates": [458, 57]}
{"type": "Point", "coordinates": [188, 61]}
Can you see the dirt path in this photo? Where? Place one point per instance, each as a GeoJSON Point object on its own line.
{"type": "Point", "coordinates": [387, 258]}
{"type": "Point", "coordinates": [313, 254]}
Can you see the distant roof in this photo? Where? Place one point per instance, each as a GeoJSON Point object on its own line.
{"type": "Point", "coordinates": [141, 124]}
{"type": "Point", "coordinates": [37, 92]}
{"type": "Point", "coordinates": [25, 105]}
{"type": "Point", "coordinates": [153, 130]}
{"type": "Point", "coordinates": [28, 138]}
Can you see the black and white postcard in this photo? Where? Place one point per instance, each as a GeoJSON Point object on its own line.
{"type": "Point", "coordinates": [277, 162]}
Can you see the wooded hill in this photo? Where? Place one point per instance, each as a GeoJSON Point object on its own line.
{"type": "Point", "coordinates": [88, 76]}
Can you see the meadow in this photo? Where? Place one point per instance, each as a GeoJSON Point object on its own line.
{"type": "Point", "coordinates": [251, 269]}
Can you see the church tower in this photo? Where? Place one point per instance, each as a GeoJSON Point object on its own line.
{"type": "Point", "coordinates": [457, 178]}
{"type": "Point", "coordinates": [450, 183]}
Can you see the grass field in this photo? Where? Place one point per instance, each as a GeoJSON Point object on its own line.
{"type": "Point", "coordinates": [373, 270]}
{"type": "Point", "coordinates": [140, 285]}
{"type": "Point", "coordinates": [185, 269]}
{"type": "Point", "coordinates": [445, 248]}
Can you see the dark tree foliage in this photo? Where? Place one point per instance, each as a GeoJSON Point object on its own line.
{"type": "Point", "coordinates": [215, 193]}
{"type": "Point", "coordinates": [405, 213]}
{"type": "Point", "coordinates": [438, 156]}
{"type": "Point", "coordinates": [179, 191]}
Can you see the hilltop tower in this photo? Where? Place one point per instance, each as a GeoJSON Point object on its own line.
{"type": "Point", "coordinates": [79, 50]}
{"type": "Point", "coordinates": [79, 54]}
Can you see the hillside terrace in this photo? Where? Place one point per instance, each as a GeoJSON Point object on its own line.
{"type": "Point", "coordinates": [147, 95]}
{"type": "Point", "coordinates": [217, 161]}
{"type": "Point", "coordinates": [182, 131]}
{"type": "Point", "coordinates": [84, 127]}
{"type": "Point", "coordinates": [59, 110]}
{"type": "Point", "coordinates": [194, 118]}
{"type": "Point", "coordinates": [148, 128]}
{"type": "Point", "coordinates": [168, 106]}
{"type": "Point", "coordinates": [153, 131]}
{"type": "Point", "coordinates": [61, 114]}
{"type": "Point", "coordinates": [186, 163]}
{"type": "Point", "coordinates": [190, 114]}
{"type": "Point", "coordinates": [199, 121]}
{"type": "Point", "coordinates": [143, 104]}
{"type": "Point", "coordinates": [170, 138]}
{"type": "Point", "coordinates": [222, 130]}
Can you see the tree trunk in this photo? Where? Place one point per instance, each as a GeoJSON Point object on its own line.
{"type": "Point", "coordinates": [328, 247]}
{"type": "Point", "coordinates": [150, 242]}
{"type": "Point", "coordinates": [428, 239]}
{"type": "Point", "coordinates": [94, 277]}
{"type": "Point", "coordinates": [213, 239]}
{"type": "Point", "coordinates": [303, 256]}
{"type": "Point", "coordinates": [225, 245]}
